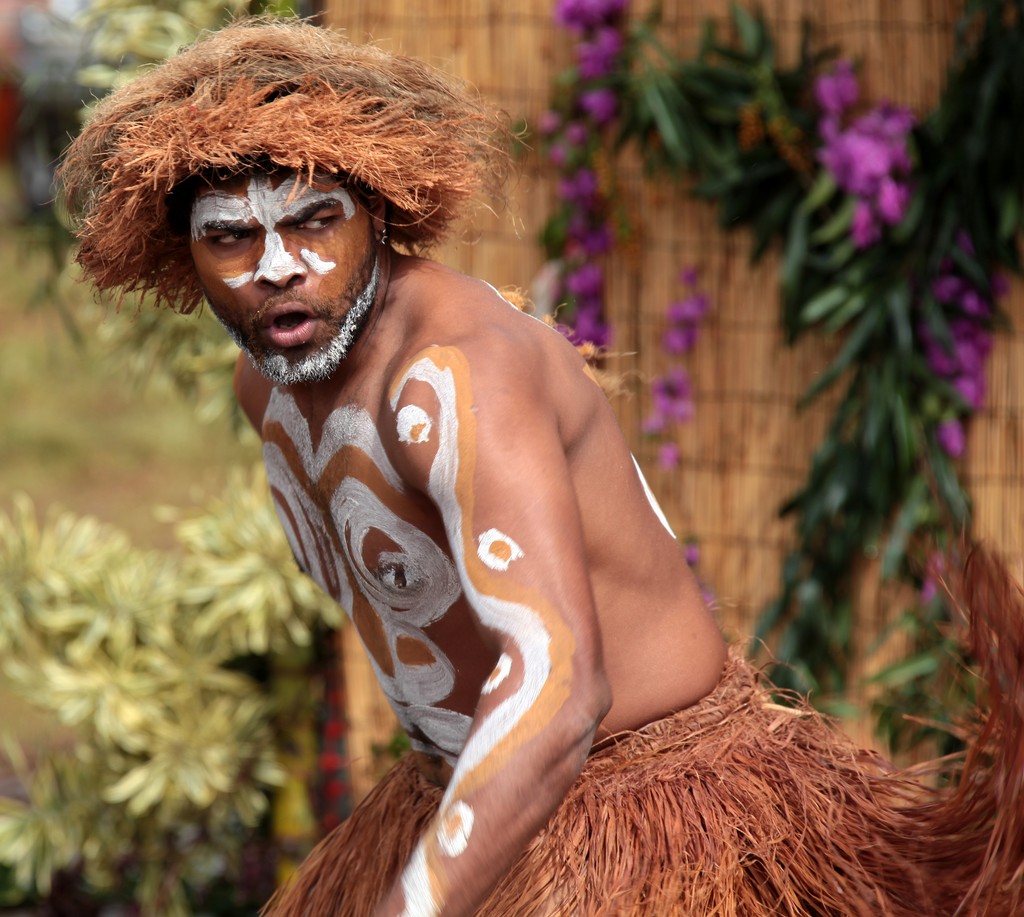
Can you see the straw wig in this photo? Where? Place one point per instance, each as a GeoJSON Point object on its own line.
{"type": "Point", "coordinates": [271, 94]}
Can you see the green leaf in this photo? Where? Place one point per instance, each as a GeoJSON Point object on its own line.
{"type": "Point", "coordinates": [846, 313]}
{"type": "Point", "coordinates": [852, 347]}
{"type": "Point", "coordinates": [751, 34]}
{"type": "Point", "coordinates": [906, 670]}
{"type": "Point", "coordinates": [669, 129]}
{"type": "Point", "coordinates": [793, 258]}
{"type": "Point", "coordinates": [1009, 216]}
{"type": "Point", "coordinates": [903, 528]}
{"type": "Point", "coordinates": [837, 225]}
{"type": "Point", "coordinates": [823, 304]}
{"type": "Point", "coordinates": [821, 192]}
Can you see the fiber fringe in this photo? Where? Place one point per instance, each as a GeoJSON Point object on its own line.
{"type": "Point", "coordinates": [742, 807]}
{"type": "Point", "coordinates": [286, 94]}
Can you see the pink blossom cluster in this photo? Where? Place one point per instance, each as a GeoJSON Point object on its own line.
{"type": "Point", "coordinates": [869, 157]}
{"type": "Point", "coordinates": [961, 360]}
{"type": "Point", "coordinates": [571, 139]}
{"type": "Point", "coordinates": [672, 393]}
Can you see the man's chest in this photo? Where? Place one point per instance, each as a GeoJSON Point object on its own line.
{"type": "Point", "coordinates": [372, 546]}
{"type": "Point", "coordinates": [348, 515]}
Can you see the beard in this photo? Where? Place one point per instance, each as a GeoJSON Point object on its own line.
{"type": "Point", "coordinates": [320, 365]}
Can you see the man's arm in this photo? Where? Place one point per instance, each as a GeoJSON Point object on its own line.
{"type": "Point", "coordinates": [492, 461]}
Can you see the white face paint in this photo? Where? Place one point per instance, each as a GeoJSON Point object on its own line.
{"type": "Point", "coordinates": [268, 206]}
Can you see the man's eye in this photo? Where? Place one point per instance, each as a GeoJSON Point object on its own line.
{"type": "Point", "coordinates": [320, 221]}
{"type": "Point", "coordinates": [226, 237]}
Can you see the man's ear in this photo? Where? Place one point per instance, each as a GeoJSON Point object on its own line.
{"type": "Point", "coordinates": [378, 208]}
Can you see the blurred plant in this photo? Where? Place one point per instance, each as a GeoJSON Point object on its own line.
{"type": "Point", "coordinates": [188, 355]}
{"type": "Point", "coordinates": [127, 36]}
{"type": "Point", "coordinates": [142, 657]}
{"type": "Point", "coordinates": [892, 231]}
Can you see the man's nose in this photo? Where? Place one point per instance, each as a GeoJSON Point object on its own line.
{"type": "Point", "coordinates": [278, 266]}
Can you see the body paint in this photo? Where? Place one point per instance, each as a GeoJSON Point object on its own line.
{"type": "Point", "coordinates": [543, 645]}
{"type": "Point", "coordinates": [268, 206]}
{"type": "Point", "coordinates": [404, 590]}
{"type": "Point", "coordinates": [651, 499]}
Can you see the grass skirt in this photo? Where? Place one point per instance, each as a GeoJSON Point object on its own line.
{"type": "Point", "coordinates": [735, 806]}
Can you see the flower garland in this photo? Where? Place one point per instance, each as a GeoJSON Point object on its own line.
{"type": "Point", "coordinates": [889, 226]}
{"type": "Point", "coordinates": [582, 231]}
{"type": "Point", "coordinates": [671, 392]}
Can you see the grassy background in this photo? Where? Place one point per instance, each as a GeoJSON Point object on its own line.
{"type": "Point", "coordinates": [72, 434]}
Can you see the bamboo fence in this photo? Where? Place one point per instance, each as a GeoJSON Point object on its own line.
{"type": "Point", "coordinates": [747, 448]}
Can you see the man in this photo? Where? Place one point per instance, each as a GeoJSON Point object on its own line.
{"type": "Point", "coordinates": [446, 468]}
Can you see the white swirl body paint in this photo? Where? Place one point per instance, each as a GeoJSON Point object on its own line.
{"type": "Point", "coordinates": [268, 206]}
{"type": "Point", "coordinates": [408, 587]}
{"type": "Point", "coordinates": [519, 622]}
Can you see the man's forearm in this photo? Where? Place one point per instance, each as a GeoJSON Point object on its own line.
{"type": "Point", "coordinates": [474, 841]}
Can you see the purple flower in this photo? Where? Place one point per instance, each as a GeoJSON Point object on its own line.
{"type": "Point", "coordinates": [557, 155]}
{"type": "Point", "coordinates": [653, 424]}
{"type": "Point", "coordinates": [972, 389]}
{"type": "Point", "coordinates": [580, 187]}
{"type": "Point", "coordinates": [691, 551]}
{"type": "Point", "coordinates": [549, 122]}
{"type": "Point", "coordinates": [587, 281]}
{"type": "Point", "coordinates": [600, 104]}
{"type": "Point", "coordinates": [928, 590]}
{"type": "Point", "coordinates": [691, 309]}
{"type": "Point", "coordinates": [672, 396]}
{"type": "Point", "coordinates": [865, 229]}
{"type": "Point", "coordinates": [599, 56]}
{"type": "Point", "coordinates": [668, 456]}
{"type": "Point", "coordinates": [950, 436]}
{"type": "Point", "coordinates": [947, 288]}
{"type": "Point", "coordinates": [857, 162]}
{"type": "Point", "coordinates": [838, 90]}
{"type": "Point", "coordinates": [589, 326]}
{"type": "Point", "coordinates": [596, 241]}
{"type": "Point", "coordinates": [892, 200]}
{"type": "Point", "coordinates": [974, 304]}
{"type": "Point", "coordinates": [688, 276]}
{"type": "Point", "coordinates": [865, 160]}
{"type": "Point", "coordinates": [939, 359]}
{"type": "Point", "coordinates": [680, 338]}
{"type": "Point", "coordinates": [576, 133]}
{"type": "Point", "coordinates": [580, 15]}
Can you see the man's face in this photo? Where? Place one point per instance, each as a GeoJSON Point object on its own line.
{"type": "Point", "coordinates": [289, 269]}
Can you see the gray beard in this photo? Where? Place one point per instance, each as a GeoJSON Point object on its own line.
{"type": "Point", "coordinates": [316, 367]}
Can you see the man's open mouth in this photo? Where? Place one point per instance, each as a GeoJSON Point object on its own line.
{"type": "Point", "coordinates": [288, 324]}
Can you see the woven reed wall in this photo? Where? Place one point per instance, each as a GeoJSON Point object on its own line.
{"type": "Point", "coordinates": [747, 448]}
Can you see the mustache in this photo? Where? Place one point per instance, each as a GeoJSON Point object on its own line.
{"type": "Point", "coordinates": [316, 307]}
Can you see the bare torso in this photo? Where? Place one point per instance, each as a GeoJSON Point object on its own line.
{"type": "Point", "coordinates": [381, 548]}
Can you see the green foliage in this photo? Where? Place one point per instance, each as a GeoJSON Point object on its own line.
{"type": "Point", "coordinates": [135, 653]}
{"type": "Point", "coordinates": [739, 129]}
{"type": "Point", "coordinates": [127, 35]}
{"type": "Point", "coordinates": [162, 350]}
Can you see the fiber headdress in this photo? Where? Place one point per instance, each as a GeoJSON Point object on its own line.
{"type": "Point", "coordinates": [271, 93]}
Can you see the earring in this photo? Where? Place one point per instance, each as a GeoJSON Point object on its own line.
{"type": "Point", "coordinates": [384, 235]}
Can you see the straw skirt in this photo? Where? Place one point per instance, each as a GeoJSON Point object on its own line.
{"type": "Point", "coordinates": [735, 806]}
